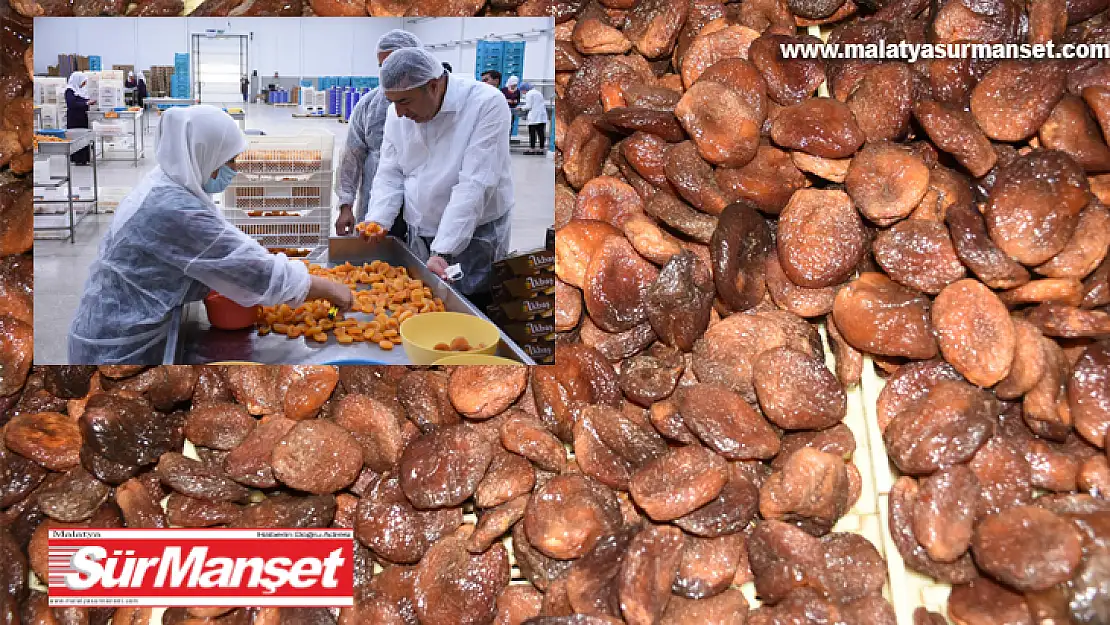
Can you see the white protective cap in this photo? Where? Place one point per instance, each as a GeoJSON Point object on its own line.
{"type": "Point", "coordinates": [195, 141]}
{"type": "Point", "coordinates": [410, 68]}
{"type": "Point", "coordinates": [397, 39]}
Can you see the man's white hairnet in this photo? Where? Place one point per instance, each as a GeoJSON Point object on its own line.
{"type": "Point", "coordinates": [397, 39]}
{"type": "Point", "coordinates": [410, 68]}
{"type": "Point", "coordinates": [75, 81]}
{"type": "Point", "coordinates": [195, 141]}
{"type": "Point", "coordinates": [512, 82]}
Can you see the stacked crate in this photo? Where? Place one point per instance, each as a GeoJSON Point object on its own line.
{"type": "Point", "coordinates": [524, 302]}
{"type": "Point", "coordinates": [159, 80]}
{"type": "Point", "coordinates": [181, 86]}
{"type": "Point", "coordinates": [282, 195]}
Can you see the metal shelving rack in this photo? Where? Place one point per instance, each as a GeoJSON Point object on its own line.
{"type": "Point", "coordinates": [76, 139]}
{"type": "Point", "coordinates": [137, 134]}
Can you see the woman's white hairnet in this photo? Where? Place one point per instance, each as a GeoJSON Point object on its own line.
{"type": "Point", "coordinates": [195, 141]}
{"type": "Point", "coordinates": [397, 39]}
{"type": "Point", "coordinates": [75, 81]}
{"type": "Point", "coordinates": [410, 68]}
{"type": "Point", "coordinates": [512, 82]}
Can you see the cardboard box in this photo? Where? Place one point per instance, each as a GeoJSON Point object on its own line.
{"type": "Point", "coordinates": [528, 264]}
{"type": "Point", "coordinates": [526, 287]}
{"type": "Point", "coordinates": [542, 353]}
{"type": "Point", "coordinates": [542, 329]}
{"type": "Point", "coordinates": [522, 310]}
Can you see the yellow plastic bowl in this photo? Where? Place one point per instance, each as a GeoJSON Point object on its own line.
{"type": "Point", "coordinates": [476, 359]}
{"type": "Point", "coordinates": [420, 334]}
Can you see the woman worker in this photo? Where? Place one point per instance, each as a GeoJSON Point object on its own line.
{"type": "Point", "coordinates": [168, 244]}
{"type": "Point", "coordinates": [359, 162]}
{"type": "Point", "coordinates": [77, 111]}
{"type": "Point", "coordinates": [445, 159]}
{"type": "Point", "coordinates": [536, 107]}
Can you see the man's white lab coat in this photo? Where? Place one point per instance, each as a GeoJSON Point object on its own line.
{"type": "Point", "coordinates": [453, 173]}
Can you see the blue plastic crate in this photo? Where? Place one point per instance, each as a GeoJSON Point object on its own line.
{"type": "Point", "coordinates": [51, 132]}
{"type": "Point", "coordinates": [94, 63]}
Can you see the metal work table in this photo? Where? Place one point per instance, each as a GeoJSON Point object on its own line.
{"type": "Point", "coordinates": [241, 118]}
{"type": "Point", "coordinates": [76, 139]}
{"type": "Point", "coordinates": [153, 105]}
{"type": "Point", "coordinates": [138, 148]}
{"type": "Point", "coordinates": [192, 340]}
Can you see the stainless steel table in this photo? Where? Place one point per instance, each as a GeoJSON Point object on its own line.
{"type": "Point", "coordinates": [138, 147]}
{"type": "Point", "coordinates": [192, 340]}
{"type": "Point", "coordinates": [76, 139]}
{"type": "Point", "coordinates": [153, 105]}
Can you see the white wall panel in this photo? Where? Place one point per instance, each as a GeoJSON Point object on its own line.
{"type": "Point", "coordinates": [293, 47]}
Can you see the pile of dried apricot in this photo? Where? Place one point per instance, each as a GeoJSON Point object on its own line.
{"type": "Point", "coordinates": [392, 297]}
{"type": "Point", "coordinates": [716, 202]}
{"type": "Point", "coordinates": [457, 344]}
{"type": "Point", "coordinates": [369, 228]}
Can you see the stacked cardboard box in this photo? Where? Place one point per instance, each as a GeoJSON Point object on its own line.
{"type": "Point", "coordinates": [524, 302]}
{"type": "Point", "coordinates": [126, 69]}
{"type": "Point", "coordinates": [159, 80]}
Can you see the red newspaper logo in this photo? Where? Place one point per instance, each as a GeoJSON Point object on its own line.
{"type": "Point", "coordinates": [201, 567]}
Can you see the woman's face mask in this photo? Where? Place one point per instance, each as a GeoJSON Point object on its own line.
{"type": "Point", "coordinates": [224, 176]}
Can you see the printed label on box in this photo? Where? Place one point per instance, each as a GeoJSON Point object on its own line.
{"type": "Point", "coordinates": [201, 567]}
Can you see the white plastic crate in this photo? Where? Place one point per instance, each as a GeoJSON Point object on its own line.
{"type": "Point", "coordinates": [275, 158]}
{"type": "Point", "coordinates": [279, 195]}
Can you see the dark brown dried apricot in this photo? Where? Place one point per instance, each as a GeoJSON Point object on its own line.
{"type": "Point", "coordinates": [874, 314]}
{"type": "Point", "coordinates": [1027, 547]}
{"type": "Point", "coordinates": [219, 425]}
{"type": "Point", "coordinates": [647, 573]}
{"type": "Point", "coordinates": [726, 353]}
{"type": "Point", "coordinates": [679, 482]}
{"type": "Point", "coordinates": [443, 468]}
{"type": "Point", "coordinates": [52, 440]}
{"type": "Point", "coordinates": [946, 426]}
{"type": "Point", "coordinates": [616, 280]}
{"type": "Point", "coordinates": [797, 391]}
{"type": "Point", "coordinates": [945, 511]}
{"type": "Point", "coordinates": [1071, 129]}
{"type": "Point", "coordinates": [820, 238]}
{"type": "Point", "coordinates": [726, 423]}
{"type": "Point", "coordinates": [767, 181]}
{"type": "Point", "coordinates": [567, 515]}
{"type": "Point", "coordinates": [680, 301]}
{"type": "Point", "coordinates": [978, 252]}
{"type": "Point", "coordinates": [693, 178]}
{"type": "Point", "coordinates": [882, 101]}
{"type": "Point", "coordinates": [954, 130]}
{"type": "Point", "coordinates": [812, 488]}
{"type": "Point", "coordinates": [819, 126]}
{"type": "Point", "coordinates": [974, 332]}
{"type": "Point", "coordinates": [480, 392]}
{"type": "Point", "coordinates": [738, 248]}
{"type": "Point", "coordinates": [1015, 97]}
{"type": "Point", "coordinates": [903, 495]}
{"type": "Point", "coordinates": [983, 602]}
{"type": "Point", "coordinates": [721, 122]}
{"type": "Point", "coordinates": [886, 182]}
{"type": "Point", "coordinates": [317, 456]}
{"type": "Point", "coordinates": [1034, 206]}
{"type": "Point", "coordinates": [453, 586]}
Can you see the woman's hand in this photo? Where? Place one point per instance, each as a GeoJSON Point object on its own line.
{"type": "Point", "coordinates": [338, 294]}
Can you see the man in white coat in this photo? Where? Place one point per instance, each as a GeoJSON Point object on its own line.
{"type": "Point", "coordinates": [445, 159]}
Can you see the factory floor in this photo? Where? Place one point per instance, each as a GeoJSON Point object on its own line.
{"type": "Point", "coordinates": [61, 267]}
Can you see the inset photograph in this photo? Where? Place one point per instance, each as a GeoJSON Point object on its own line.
{"type": "Point", "coordinates": [294, 191]}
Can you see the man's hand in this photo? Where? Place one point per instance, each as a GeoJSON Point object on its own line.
{"type": "Point", "coordinates": [438, 266]}
{"type": "Point", "coordinates": [371, 231]}
{"type": "Point", "coordinates": [345, 224]}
